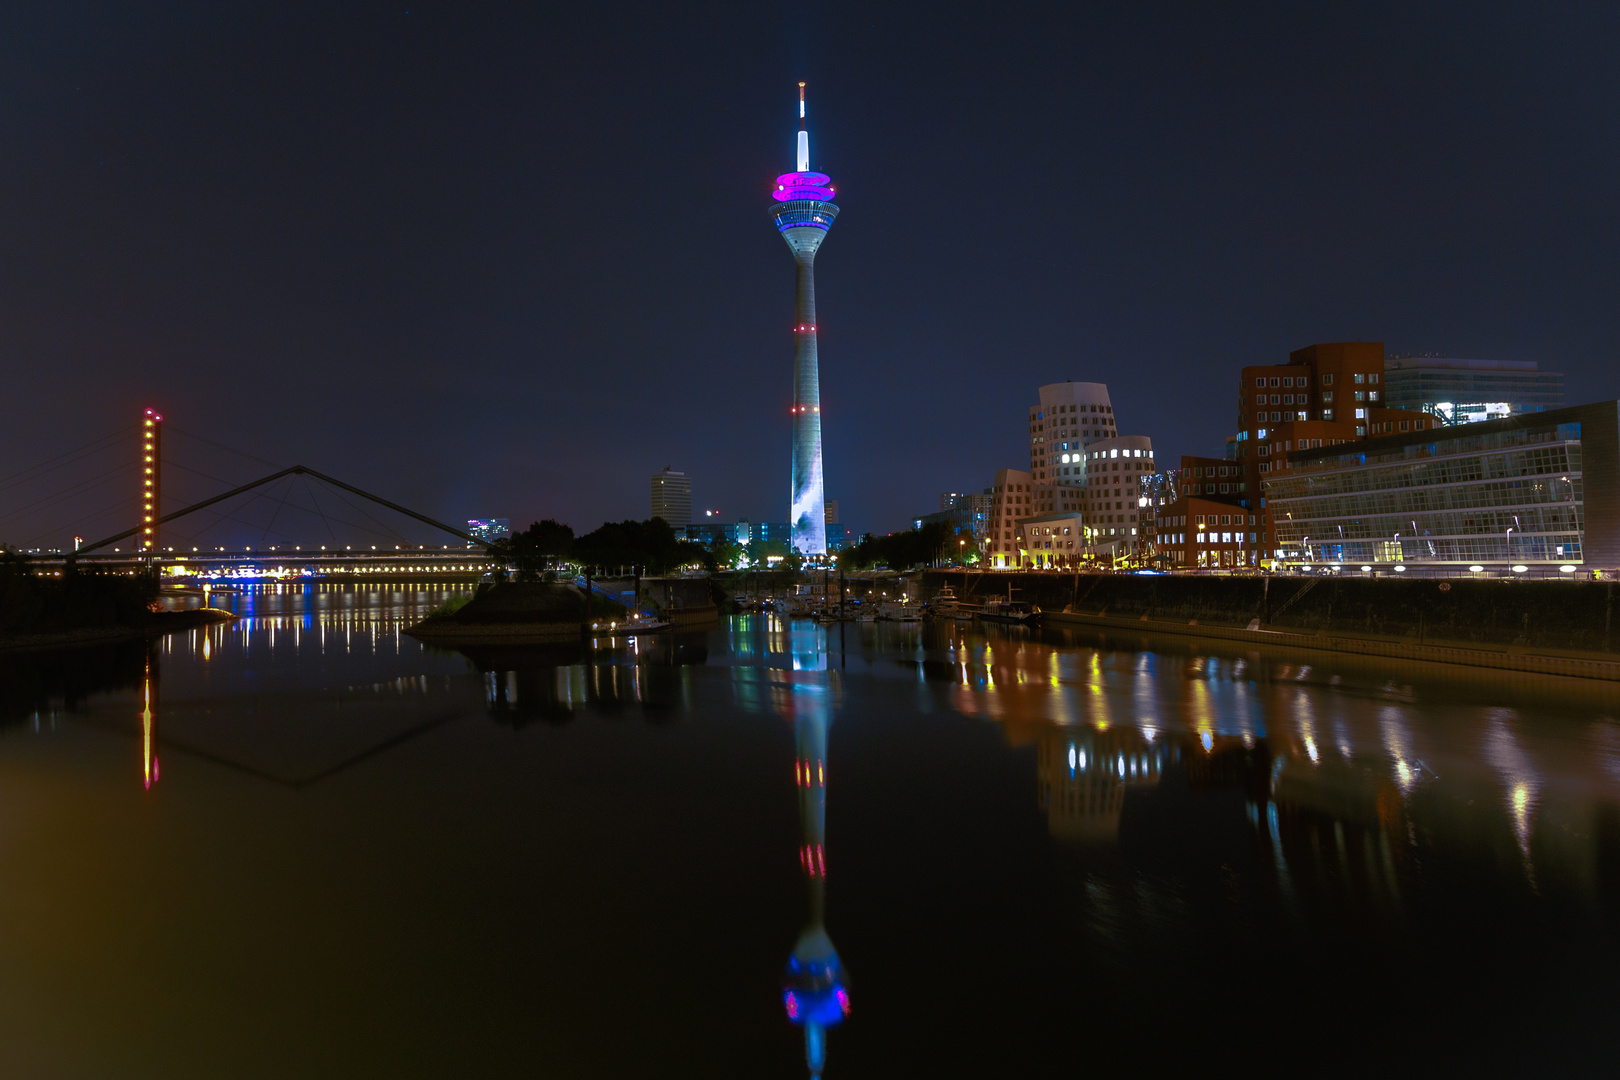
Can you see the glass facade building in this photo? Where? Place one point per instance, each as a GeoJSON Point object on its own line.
{"type": "Point", "coordinates": [489, 529]}
{"type": "Point", "coordinates": [1535, 488]}
{"type": "Point", "coordinates": [1469, 391]}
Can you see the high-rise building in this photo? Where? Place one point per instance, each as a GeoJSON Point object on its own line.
{"type": "Point", "coordinates": [1012, 496]}
{"type": "Point", "coordinates": [1468, 391]}
{"type": "Point", "coordinates": [672, 497]}
{"type": "Point", "coordinates": [151, 480]}
{"type": "Point", "coordinates": [803, 213]}
{"type": "Point", "coordinates": [832, 511]}
{"type": "Point", "coordinates": [1082, 464]}
{"type": "Point", "coordinates": [489, 529]}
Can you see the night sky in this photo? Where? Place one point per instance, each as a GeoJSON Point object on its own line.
{"type": "Point", "coordinates": [510, 260]}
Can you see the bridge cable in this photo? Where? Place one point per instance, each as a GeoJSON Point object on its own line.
{"type": "Point", "coordinates": [277, 514]}
{"type": "Point", "coordinates": [231, 449]}
{"type": "Point", "coordinates": [383, 528]}
{"type": "Point", "coordinates": [66, 493]}
{"type": "Point", "coordinates": [52, 464]}
{"type": "Point", "coordinates": [131, 503]}
{"type": "Point", "coordinates": [317, 504]}
{"type": "Point", "coordinates": [221, 515]}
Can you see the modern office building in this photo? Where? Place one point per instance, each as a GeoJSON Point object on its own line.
{"type": "Point", "coordinates": [1468, 391]}
{"type": "Point", "coordinates": [1080, 468]}
{"type": "Point", "coordinates": [1068, 417]}
{"type": "Point", "coordinates": [711, 532]}
{"type": "Point", "coordinates": [489, 529]}
{"type": "Point", "coordinates": [962, 512]}
{"type": "Point", "coordinates": [672, 497]}
{"type": "Point", "coordinates": [777, 532]}
{"type": "Point", "coordinates": [1057, 540]}
{"type": "Point", "coordinates": [803, 213]}
{"type": "Point", "coordinates": [1118, 513]}
{"type": "Point", "coordinates": [1326, 395]}
{"type": "Point", "coordinates": [1012, 497]}
{"type": "Point", "coordinates": [832, 511]}
{"type": "Point", "coordinates": [1537, 488]}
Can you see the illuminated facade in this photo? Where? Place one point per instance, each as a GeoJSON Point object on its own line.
{"type": "Point", "coordinates": [1326, 395]}
{"type": "Point", "coordinates": [1012, 496]}
{"type": "Point", "coordinates": [151, 480]}
{"type": "Point", "coordinates": [1118, 512]}
{"type": "Point", "coordinates": [803, 213]}
{"type": "Point", "coordinates": [1081, 464]}
{"type": "Point", "coordinates": [1468, 391]}
{"type": "Point", "coordinates": [1537, 488]}
{"type": "Point", "coordinates": [489, 529]}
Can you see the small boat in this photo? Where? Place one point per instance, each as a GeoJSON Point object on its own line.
{"type": "Point", "coordinates": [899, 611]}
{"type": "Point", "coordinates": [1010, 611]}
{"type": "Point", "coordinates": [629, 627]}
{"type": "Point", "coordinates": [944, 603]}
{"type": "Point", "coordinates": [965, 612]}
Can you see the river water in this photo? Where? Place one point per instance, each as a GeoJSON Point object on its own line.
{"type": "Point", "coordinates": [304, 845]}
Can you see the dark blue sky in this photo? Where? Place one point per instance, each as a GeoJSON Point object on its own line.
{"type": "Point", "coordinates": [510, 260]}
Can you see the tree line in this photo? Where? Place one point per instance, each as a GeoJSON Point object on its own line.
{"type": "Point", "coordinates": [656, 547]}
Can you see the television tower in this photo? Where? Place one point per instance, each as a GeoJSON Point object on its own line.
{"type": "Point", "coordinates": [803, 213]}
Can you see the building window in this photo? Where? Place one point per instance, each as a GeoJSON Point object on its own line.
{"type": "Point", "coordinates": [1327, 380]}
{"type": "Point", "coordinates": [1359, 377]}
{"type": "Point", "coordinates": [1361, 414]}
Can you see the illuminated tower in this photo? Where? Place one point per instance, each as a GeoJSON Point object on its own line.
{"type": "Point", "coordinates": [152, 480]}
{"type": "Point", "coordinates": [803, 214]}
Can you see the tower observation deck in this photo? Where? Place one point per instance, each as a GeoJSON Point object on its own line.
{"type": "Point", "coordinates": [803, 213]}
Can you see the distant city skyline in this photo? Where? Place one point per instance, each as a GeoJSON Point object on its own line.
{"type": "Point", "coordinates": [418, 249]}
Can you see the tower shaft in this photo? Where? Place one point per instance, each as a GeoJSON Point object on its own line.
{"type": "Point", "coordinates": [807, 510]}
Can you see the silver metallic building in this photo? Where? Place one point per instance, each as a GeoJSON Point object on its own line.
{"type": "Point", "coordinates": [1536, 488]}
{"type": "Point", "coordinates": [1468, 391]}
{"type": "Point", "coordinates": [803, 213]}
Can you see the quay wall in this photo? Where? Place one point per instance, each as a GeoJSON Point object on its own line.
{"type": "Point", "coordinates": [1564, 615]}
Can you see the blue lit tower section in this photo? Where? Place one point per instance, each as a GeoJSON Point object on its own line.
{"type": "Point", "coordinates": [803, 214]}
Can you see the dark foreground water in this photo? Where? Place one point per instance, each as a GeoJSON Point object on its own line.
{"type": "Point", "coordinates": [303, 845]}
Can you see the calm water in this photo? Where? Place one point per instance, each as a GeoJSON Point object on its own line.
{"type": "Point", "coordinates": [304, 845]}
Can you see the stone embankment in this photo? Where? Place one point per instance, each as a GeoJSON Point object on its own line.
{"type": "Point", "coordinates": [1548, 627]}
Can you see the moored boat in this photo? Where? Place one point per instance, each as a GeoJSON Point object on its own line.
{"type": "Point", "coordinates": [1010, 611]}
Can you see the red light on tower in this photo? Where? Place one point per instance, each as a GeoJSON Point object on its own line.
{"type": "Point", "coordinates": [151, 479]}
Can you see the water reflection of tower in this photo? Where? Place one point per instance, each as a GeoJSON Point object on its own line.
{"type": "Point", "coordinates": [815, 995]}
{"type": "Point", "coordinates": [149, 698]}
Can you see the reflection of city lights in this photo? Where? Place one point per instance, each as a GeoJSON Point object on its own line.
{"type": "Point", "coordinates": [1208, 740]}
{"type": "Point", "coordinates": [1310, 748]}
{"type": "Point", "coordinates": [1082, 759]}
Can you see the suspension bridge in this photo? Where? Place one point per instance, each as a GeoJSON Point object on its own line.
{"type": "Point", "coordinates": [292, 522]}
